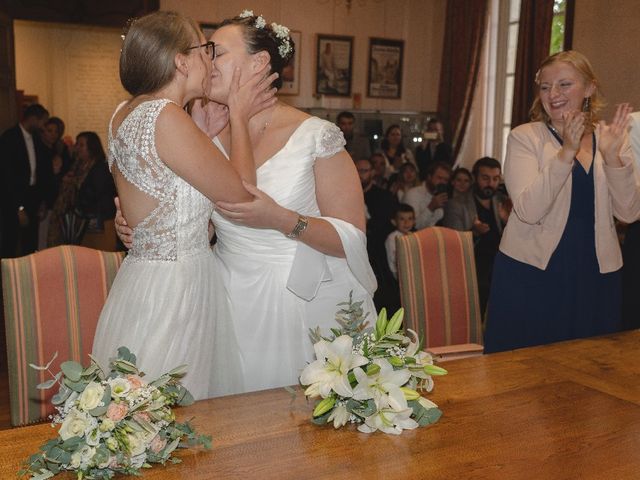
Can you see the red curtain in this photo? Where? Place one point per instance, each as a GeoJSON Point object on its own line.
{"type": "Point", "coordinates": [534, 40]}
{"type": "Point", "coordinates": [463, 37]}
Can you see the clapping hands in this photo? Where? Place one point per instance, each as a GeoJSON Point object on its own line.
{"type": "Point", "coordinates": [611, 137]}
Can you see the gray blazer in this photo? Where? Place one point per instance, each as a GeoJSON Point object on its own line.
{"type": "Point", "coordinates": [460, 212]}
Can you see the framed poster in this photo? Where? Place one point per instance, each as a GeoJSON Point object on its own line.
{"type": "Point", "coordinates": [385, 68]}
{"type": "Point", "coordinates": [334, 61]}
{"type": "Point", "coordinates": [291, 73]}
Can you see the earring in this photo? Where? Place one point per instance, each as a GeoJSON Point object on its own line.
{"type": "Point", "coordinates": [586, 104]}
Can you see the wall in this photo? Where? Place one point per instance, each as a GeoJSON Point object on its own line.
{"type": "Point", "coordinates": [420, 23]}
{"type": "Point", "coordinates": [607, 33]}
{"type": "Point", "coordinates": [72, 69]}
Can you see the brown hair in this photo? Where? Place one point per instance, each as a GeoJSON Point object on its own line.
{"type": "Point", "coordinates": [578, 61]}
{"type": "Point", "coordinates": [147, 58]}
{"type": "Point", "coordinates": [263, 39]}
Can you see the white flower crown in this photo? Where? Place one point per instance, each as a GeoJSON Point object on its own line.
{"type": "Point", "coordinates": [281, 32]}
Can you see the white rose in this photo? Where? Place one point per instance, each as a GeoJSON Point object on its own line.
{"type": "Point", "coordinates": [119, 387]}
{"type": "Point", "coordinates": [75, 424]}
{"type": "Point", "coordinates": [91, 397]}
{"type": "Point", "coordinates": [75, 459]}
{"type": "Point", "coordinates": [107, 425]}
{"type": "Point", "coordinates": [137, 445]}
{"type": "Point", "coordinates": [86, 454]}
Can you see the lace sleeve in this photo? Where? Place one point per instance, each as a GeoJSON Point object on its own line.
{"type": "Point", "coordinates": [329, 141]}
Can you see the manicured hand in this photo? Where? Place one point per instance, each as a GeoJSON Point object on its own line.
{"type": "Point", "coordinates": [261, 212]}
{"type": "Point", "coordinates": [611, 137]}
{"type": "Point", "coordinates": [255, 95]}
{"type": "Point", "coordinates": [211, 117]}
{"type": "Point", "coordinates": [124, 232]}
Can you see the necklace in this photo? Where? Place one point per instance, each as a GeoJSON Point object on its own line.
{"type": "Point", "coordinates": [554, 130]}
{"type": "Point", "coordinates": [268, 122]}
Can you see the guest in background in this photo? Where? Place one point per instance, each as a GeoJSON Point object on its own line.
{"type": "Point", "coordinates": [482, 213]}
{"type": "Point", "coordinates": [404, 220]}
{"type": "Point", "coordinates": [394, 151]}
{"type": "Point", "coordinates": [429, 199]}
{"type": "Point", "coordinates": [380, 205]}
{"type": "Point", "coordinates": [59, 159]}
{"type": "Point", "coordinates": [557, 275]}
{"type": "Point", "coordinates": [631, 249]}
{"type": "Point", "coordinates": [405, 180]}
{"type": "Point", "coordinates": [461, 181]}
{"type": "Point", "coordinates": [380, 173]}
{"type": "Point", "coordinates": [357, 146]}
{"type": "Point", "coordinates": [433, 148]}
{"type": "Point", "coordinates": [26, 182]}
{"type": "Point", "coordinates": [86, 194]}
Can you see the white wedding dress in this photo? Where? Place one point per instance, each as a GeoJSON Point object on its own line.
{"type": "Point", "coordinates": [260, 269]}
{"type": "Point", "coordinates": [163, 302]}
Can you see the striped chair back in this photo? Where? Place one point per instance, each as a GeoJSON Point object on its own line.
{"type": "Point", "coordinates": [438, 286]}
{"type": "Point", "coordinates": [52, 302]}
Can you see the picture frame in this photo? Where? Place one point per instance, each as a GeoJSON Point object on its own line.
{"type": "Point", "coordinates": [334, 65]}
{"type": "Point", "coordinates": [208, 29]}
{"type": "Point", "coordinates": [291, 73]}
{"type": "Point", "coordinates": [384, 78]}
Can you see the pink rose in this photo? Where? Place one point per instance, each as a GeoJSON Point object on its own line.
{"type": "Point", "coordinates": [135, 381]}
{"type": "Point", "coordinates": [117, 411]}
{"type": "Point", "coordinates": [157, 444]}
{"type": "Point", "coordinates": [143, 416]}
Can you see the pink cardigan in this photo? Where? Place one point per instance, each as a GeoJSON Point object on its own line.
{"type": "Point", "coordinates": [540, 187]}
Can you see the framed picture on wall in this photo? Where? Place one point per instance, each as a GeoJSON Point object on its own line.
{"type": "Point", "coordinates": [334, 61]}
{"type": "Point", "coordinates": [208, 29]}
{"type": "Point", "coordinates": [291, 73]}
{"type": "Point", "coordinates": [385, 68]}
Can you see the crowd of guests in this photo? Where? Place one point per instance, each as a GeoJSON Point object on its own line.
{"type": "Point", "coordinates": [406, 191]}
{"type": "Point", "coordinates": [53, 191]}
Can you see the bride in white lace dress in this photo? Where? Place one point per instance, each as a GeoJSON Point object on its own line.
{"type": "Point", "coordinates": [286, 259]}
{"type": "Point", "coordinates": [163, 301]}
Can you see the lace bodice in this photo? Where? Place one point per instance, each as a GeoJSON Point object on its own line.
{"type": "Point", "coordinates": [177, 226]}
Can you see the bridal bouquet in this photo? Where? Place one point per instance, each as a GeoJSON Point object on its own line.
{"type": "Point", "coordinates": [370, 376]}
{"type": "Point", "coordinates": [113, 423]}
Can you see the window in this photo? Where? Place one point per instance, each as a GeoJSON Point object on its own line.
{"type": "Point", "coordinates": [510, 70]}
{"type": "Point", "coordinates": [558, 26]}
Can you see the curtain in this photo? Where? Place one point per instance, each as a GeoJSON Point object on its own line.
{"type": "Point", "coordinates": [465, 26]}
{"type": "Point", "coordinates": [534, 40]}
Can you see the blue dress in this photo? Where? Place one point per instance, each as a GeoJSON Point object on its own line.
{"type": "Point", "coordinates": [570, 299]}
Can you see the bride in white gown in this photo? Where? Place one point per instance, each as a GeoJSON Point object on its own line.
{"type": "Point", "coordinates": [164, 298]}
{"type": "Point", "coordinates": [286, 259]}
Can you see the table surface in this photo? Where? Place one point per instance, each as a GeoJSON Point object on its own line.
{"type": "Point", "coordinates": [562, 411]}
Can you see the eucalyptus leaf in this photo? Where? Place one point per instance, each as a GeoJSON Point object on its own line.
{"type": "Point", "coordinates": [43, 475]}
{"type": "Point", "coordinates": [46, 385]}
{"type": "Point", "coordinates": [71, 444]}
{"type": "Point", "coordinates": [361, 408]}
{"type": "Point", "coordinates": [72, 370]}
{"type": "Point", "coordinates": [178, 371]}
{"type": "Point", "coordinates": [63, 393]}
{"type": "Point", "coordinates": [75, 386]}
{"type": "Point", "coordinates": [322, 419]}
{"type": "Point", "coordinates": [186, 398]}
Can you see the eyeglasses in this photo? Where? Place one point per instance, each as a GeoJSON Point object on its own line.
{"type": "Point", "coordinates": [210, 49]}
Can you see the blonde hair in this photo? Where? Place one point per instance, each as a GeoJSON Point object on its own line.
{"type": "Point", "coordinates": [147, 59]}
{"type": "Point", "coordinates": [578, 61]}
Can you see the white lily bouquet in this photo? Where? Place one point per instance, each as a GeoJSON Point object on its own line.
{"type": "Point", "coordinates": [370, 376]}
{"type": "Point", "coordinates": [113, 423]}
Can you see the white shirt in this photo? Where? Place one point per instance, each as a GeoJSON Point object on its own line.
{"type": "Point", "coordinates": [390, 247]}
{"type": "Point", "coordinates": [31, 151]}
{"type": "Point", "coordinates": [419, 197]}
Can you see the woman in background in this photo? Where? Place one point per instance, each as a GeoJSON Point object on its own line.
{"type": "Point", "coordinates": [557, 274]}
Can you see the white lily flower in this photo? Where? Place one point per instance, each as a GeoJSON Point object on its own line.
{"type": "Point", "coordinates": [329, 372]}
{"type": "Point", "coordinates": [339, 416]}
{"type": "Point", "coordinates": [389, 421]}
{"type": "Point", "coordinates": [383, 387]}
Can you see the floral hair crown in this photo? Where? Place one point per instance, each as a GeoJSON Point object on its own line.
{"type": "Point", "coordinates": [280, 31]}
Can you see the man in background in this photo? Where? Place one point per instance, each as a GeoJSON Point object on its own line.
{"type": "Point", "coordinates": [357, 146]}
{"type": "Point", "coordinates": [482, 212]}
{"type": "Point", "coordinates": [26, 182]}
{"type": "Point", "coordinates": [429, 198]}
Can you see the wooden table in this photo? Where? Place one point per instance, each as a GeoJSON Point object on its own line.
{"type": "Point", "coordinates": [563, 411]}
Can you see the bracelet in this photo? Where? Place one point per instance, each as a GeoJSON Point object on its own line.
{"type": "Point", "coordinates": [300, 227]}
